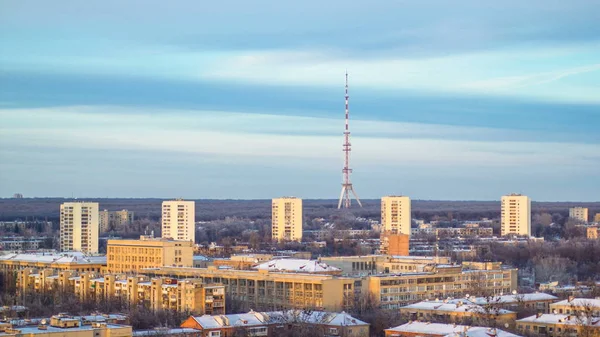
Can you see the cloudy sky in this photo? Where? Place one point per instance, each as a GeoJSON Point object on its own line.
{"type": "Point", "coordinates": [464, 99]}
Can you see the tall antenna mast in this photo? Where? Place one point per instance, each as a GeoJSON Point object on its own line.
{"type": "Point", "coordinates": [346, 184]}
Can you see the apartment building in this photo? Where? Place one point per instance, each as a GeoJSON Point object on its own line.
{"type": "Point", "coordinates": [559, 325]}
{"type": "Point", "coordinates": [394, 244]}
{"type": "Point", "coordinates": [68, 326]}
{"type": "Point", "coordinates": [178, 220]}
{"type": "Point", "coordinates": [459, 311]}
{"type": "Point", "coordinates": [593, 232]}
{"type": "Point", "coordinates": [79, 227]}
{"type": "Point", "coordinates": [577, 306]}
{"type": "Point", "coordinates": [130, 256]}
{"type": "Point", "coordinates": [159, 293]}
{"type": "Point", "coordinates": [286, 219]}
{"type": "Point", "coordinates": [579, 213]}
{"type": "Point", "coordinates": [74, 261]}
{"type": "Point", "coordinates": [597, 218]}
{"type": "Point", "coordinates": [516, 215]}
{"type": "Point", "coordinates": [113, 219]}
{"type": "Point", "coordinates": [330, 324]}
{"type": "Point", "coordinates": [539, 302]}
{"type": "Point", "coordinates": [267, 290]}
{"type": "Point", "coordinates": [396, 214]}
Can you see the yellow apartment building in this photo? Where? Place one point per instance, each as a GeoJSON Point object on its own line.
{"type": "Point", "coordinates": [515, 215]}
{"type": "Point", "coordinates": [558, 325]}
{"type": "Point", "coordinates": [130, 256]}
{"type": "Point", "coordinates": [579, 213]}
{"type": "Point", "coordinates": [592, 232]}
{"type": "Point", "coordinates": [79, 227]}
{"type": "Point", "coordinates": [179, 220]}
{"type": "Point", "coordinates": [396, 215]}
{"type": "Point", "coordinates": [286, 219]}
{"type": "Point", "coordinates": [574, 305]}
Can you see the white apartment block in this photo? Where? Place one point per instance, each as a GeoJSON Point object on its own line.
{"type": "Point", "coordinates": [286, 219]}
{"type": "Point", "coordinates": [396, 215]}
{"type": "Point", "coordinates": [178, 219]}
{"type": "Point", "coordinates": [579, 213]}
{"type": "Point", "coordinates": [79, 227]}
{"type": "Point", "coordinates": [516, 215]}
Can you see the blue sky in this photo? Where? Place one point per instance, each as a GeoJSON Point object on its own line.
{"type": "Point", "coordinates": [237, 99]}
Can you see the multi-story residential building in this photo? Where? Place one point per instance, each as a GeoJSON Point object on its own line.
{"type": "Point", "coordinates": [539, 302]}
{"type": "Point", "coordinates": [266, 290]}
{"type": "Point", "coordinates": [330, 324]}
{"type": "Point", "coordinates": [457, 311]}
{"type": "Point", "coordinates": [130, 256]}
{"type": "Point", "coordinates": [79, 227]}
{"type": "Point", "coordinates": [160, 293]}
{"type": "Point", "coordinates": [113, 219]}
{"type": "Point", "coordinates": [577, 306]}
{"type": "Point", "coordinates": [597, 218]}
{"type": "Point", "coordinates": [178, 220]}
{"type": "Point", "coordinates": [559, 325]}
{"type": "Point", "coordinates": [17, 243]}
{"type": "Point", "coordinates": [593, 232]}
{"type": "Point", "coordinates": [73, 261]}
{"type": "Point", "coordinates": [427, 329]}
{"type": "Point", "coordinates": [286, 219]}
{"type": "Point", "coordinates": [396, 214]}
{"type": "Point", "coordinates": [579, 213]}
{"type": "Point", "coordinates": [516, 215]}
{"type": "Point", "coordinates": [68, 326]}
{"type": "Point", "coordinates": [394, 244]}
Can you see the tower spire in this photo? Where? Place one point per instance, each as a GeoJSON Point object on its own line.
{"type": "Point", "coordinates": [346, 183]}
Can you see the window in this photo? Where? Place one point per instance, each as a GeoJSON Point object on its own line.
{"type": "Point", "coordinates": [333, 331]}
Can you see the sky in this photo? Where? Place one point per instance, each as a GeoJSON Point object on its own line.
{"type": "Point", "coordinates": [449, 100]}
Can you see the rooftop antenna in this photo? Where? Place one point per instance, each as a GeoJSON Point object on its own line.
{"type": "Point", "coordinates": [347, 184]}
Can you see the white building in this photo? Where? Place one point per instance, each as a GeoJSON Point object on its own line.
{"type": "Point", "coordinates": [286, 219]}
{"type": "Point", "coordinates": [79, 227]}
{"type": "Point", "coordinates": [178, 218]}
{"type": "Point", "coordinates": [396, 215]}
{"type": "Point", "coordinates": [579, 213]}
{"type": "Point", "coordinates": [516, 215]}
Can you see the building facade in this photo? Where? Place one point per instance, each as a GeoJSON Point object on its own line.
{"type": "Point", "coordinates": [286, 219]}
{"type": "Point", "coordinates": [130, 256]}
{"type": "Point", "coordinates": [178, 220]}
{"type": "Point", "coordinates": [516, 215]}
{"type": "Point", "coordinates": [79, 227]}
{"type": "Point", "coordinates": [396, 214]}
{"type": "Point", "coordinates": [57, 262]}
{"type": "Point", "coordinates": [113, 219]}
{"type": "Point", "coordinates": [579, 213]}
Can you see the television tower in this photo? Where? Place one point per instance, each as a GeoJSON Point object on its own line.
{"type": "Point", "coordinates": [346, 184]}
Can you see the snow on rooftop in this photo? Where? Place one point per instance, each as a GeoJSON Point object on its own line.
{"type": "Point", "coordinates": [483, 332]}
{"type": "Point", "coordinates": [558, 318]}
{"type": "Point", "coordinates": [513, 298]}
{"type": "Point", "coordinates": [579, 302]}
{"type": "Point", "coordinates": [297, 265]}
{"type": "Point", "coordinates": [449, 330]}
{"type": "Point", "coordinates": [162, 332]}
{"type": "Point", "coordinates": [314, 317]}
{"type": "Point", "coordinates": [454, 305]}
{"type": "Point", "coordinates": [69, 257]}
{"type": "Point", "coordinates": [200, 258]}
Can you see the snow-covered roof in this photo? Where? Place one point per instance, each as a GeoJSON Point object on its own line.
{"type": "Point", "coordinates": [70, 257]}
{"type": "Point", "coordinates": [162, 332]}
{"type": "Point", "coordinates": [232, 320]}
{"type": "Point", "coordinates": [297, 265]}
{"type": "Point", "coordinates": [479, 331]}
{"type": "Point", "coordinates": [200, 258]}
{"type": "Point", "coordinates": [513, 298]}
{"type": "Point", "coordinates": [449, 330]}
{"type": "Point", "coordinates": [314, 317]}
{"type": "Point", "coordinates": [559, 319]}
{"type": "Point", "coordinates": [579, 302]}
{"type": "Point", "coordinates": [454, 305]}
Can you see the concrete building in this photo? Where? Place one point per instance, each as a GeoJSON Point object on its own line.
{"type": "Point", "coordinates": [178, 220]}
{"type": "Point", "coordinates": [286, 219]}
{"type": "Point", "coordinates": [79, 227]}
{"type": "Point", "coordinates": [558, 325]}
{"type": "Point", "coordinates": [74, 261]}
{"type": "Point", "coordinates": [396, 214]}
{"type": "Point", "coordinates": [394, 244]}
{"type": "Point", "coordinates": [593, 232]}
{"type": "Point", "coordinates": [540, 302]}
{"type": "Point", "coordinates": [597, 218]}
{"type": "Point", "coordinates": [516, 215]}
{"type": "Point", "coordinates": [577, 306]}
{"type": "Point", "coordinates": [113, 219]}
{"type": "Point", "coordinates": [382, 264]}
{"type": "Point", "coordinates": [68, 326]}
{"type": "Point", "coordinates": [579, 213]}
{"type": "Point", "coordinates": [457, 311]}
{"type": "Point", "coordinates": [130, 256]}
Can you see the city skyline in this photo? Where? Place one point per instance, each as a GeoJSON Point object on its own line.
{"type": "Point", "coordinates": [464, 102]}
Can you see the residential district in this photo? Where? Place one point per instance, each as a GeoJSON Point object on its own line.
{"type": "Point", "coordinates": [412, 278]}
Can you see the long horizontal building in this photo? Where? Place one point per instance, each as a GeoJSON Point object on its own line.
{"type": "Point", "coordinates": [160, 293]}
{"type": "Point", "coordinates": [73, 261]}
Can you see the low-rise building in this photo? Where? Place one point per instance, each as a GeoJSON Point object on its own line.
{"type": "Point", "coordinates": [427, 329]}
{"type": "Point", "coordinates": [130, 256]}
{"type": "Point", "coordinates": [574, 305]}
{"type": "Point", "coordinates": [539, 302]}
{"type": "Point", "coordinates": [382, 264]}
{"type": "Point", "coordinates": [242, 261]}
{"type": "Point", "coordinates": [68, 326]}
{"type": "Point", "coordinates": [74, 261]}
{"type": "Point", "coordinates": [457, 311]}
{"type": "Point", "coordinates": [275, 323]}
{"type": "Point", "coordinates": [558, 325]}
{"type": "Point", "coordinates": [298, 266]}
